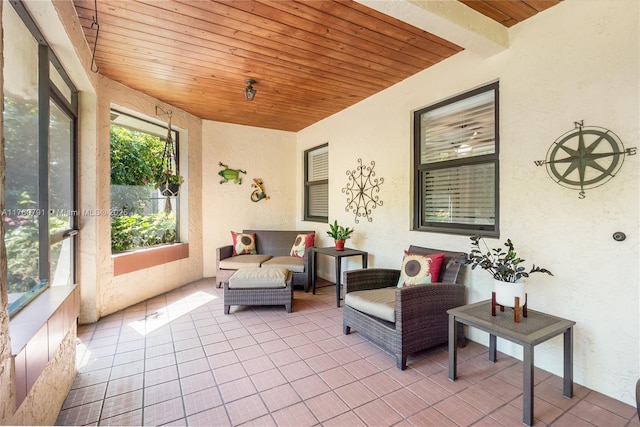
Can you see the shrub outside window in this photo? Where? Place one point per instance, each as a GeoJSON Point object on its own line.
{"type": "Point", "coordinates": [316, 184]}
{"type": "Point", "coordinates": [140, 215]}
{"type": "Point", "coordinates": [456, 164]}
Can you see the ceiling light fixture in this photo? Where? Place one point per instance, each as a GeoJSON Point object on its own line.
{"type": "Point", "coordinates": [249, 91]}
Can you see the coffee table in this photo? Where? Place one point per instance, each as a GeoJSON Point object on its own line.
{"type": "Point", "coordinates": [338, 255]}
{"type": "Point", "coordinates": [537, 327]}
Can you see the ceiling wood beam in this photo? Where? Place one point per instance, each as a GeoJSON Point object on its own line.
{"type": "Point", "coordinates": [450, 20]}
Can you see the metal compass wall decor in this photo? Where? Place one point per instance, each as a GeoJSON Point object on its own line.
{"type": "Point", "coordinates": [360, 190]}
{"type": "Point", "coordinates": [585, 157]}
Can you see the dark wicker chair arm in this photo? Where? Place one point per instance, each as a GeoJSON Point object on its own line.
{"type": "Point", "coordinates": [223, 252]}
{"type": "Point", "coordinates": [307, 258]}
{"type": "Point", "coordinates": [415, 301]}
{"type": "Point", "coordinates": [370, 278]}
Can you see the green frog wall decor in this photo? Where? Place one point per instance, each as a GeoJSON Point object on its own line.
{"type": "Point", "coordinates": [230, 174]}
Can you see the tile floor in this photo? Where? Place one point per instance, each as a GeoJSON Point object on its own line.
{"type": "Point", "coordinates": [177, 359]}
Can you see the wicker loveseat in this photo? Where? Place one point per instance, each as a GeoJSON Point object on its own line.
{"type": "Point", "coordinates": [273, 248]}
{"type": "Point", "coordinates": [421, 319]}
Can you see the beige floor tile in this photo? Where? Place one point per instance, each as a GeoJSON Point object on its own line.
{"type": "Point", "coordinates": [326, 406]}
{"type": "Point", "coordinates": [280, 397]}
{"type": "Point", "coordinates": [297, 415]}
{"type": "Point", "coordinates": [246, 409]}
{"type": "Point", "coordinates": [261, 366]}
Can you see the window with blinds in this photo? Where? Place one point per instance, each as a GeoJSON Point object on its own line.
{"type": "Point", "coordinates": [456, 164]}
{"type": "Point", "coordinates": [316, 184]}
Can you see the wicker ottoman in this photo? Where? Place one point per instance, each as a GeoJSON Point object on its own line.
{"type": "Point", "coordinates": [259, 286]}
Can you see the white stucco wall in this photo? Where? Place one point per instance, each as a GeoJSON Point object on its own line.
{"type": "Point", "coordinates": [576, 61]}
{"type": "Point", "coordinates": [117, 292]}
{"type": "Point", "coordinates": [263, 153]}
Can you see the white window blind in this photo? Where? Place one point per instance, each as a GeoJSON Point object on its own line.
{"type": "Point", "coordinates": [462, 195]}
{"type": "Point", "coordinates": [462, 129]}
{"type": "Point", "coordinates": [319, 200]}
{"type": "Point", "coordinates": [317, 183]}
{"type": "Point", "coordinates": [318, 164]}
{"type": "Point", "coordinates": [456, 164]}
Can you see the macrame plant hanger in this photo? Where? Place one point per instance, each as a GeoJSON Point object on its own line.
{"type": "Point", "coordinates": [167, 164]}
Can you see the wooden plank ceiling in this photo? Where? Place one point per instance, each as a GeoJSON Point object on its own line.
{"type": "Point", "coordinates": [310, 59]}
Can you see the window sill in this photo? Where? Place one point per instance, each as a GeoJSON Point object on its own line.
{"type": "Point", "coordinates": [142, 258]}
{"type": "Point", "coordinates": [25, 324]}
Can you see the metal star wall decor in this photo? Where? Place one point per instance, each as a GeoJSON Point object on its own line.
{"type": "Point", "coordinates": [361, 189]}
{"type": "Point", "coordinates": [585, 157]}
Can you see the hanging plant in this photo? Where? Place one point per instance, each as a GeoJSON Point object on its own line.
{"type": "Point", "coordinates": [167, 178]}
{"type": "Point", "coordinates": [169, 181]}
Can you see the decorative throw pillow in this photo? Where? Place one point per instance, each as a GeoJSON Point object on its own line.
{"type": "Point", "coordinates": [419, 269]}
{"type": "Point", "coordinates": [301, 244]}
{"type": "Point", "coordinates": [243, 243]}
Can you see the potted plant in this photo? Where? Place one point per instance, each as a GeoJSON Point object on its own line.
{"type": "Point", "coordinates": [505, 267]}
{"type": "Point", "coordinates": [168, 183]}
{"type": "Point", "coordinates": [339, 234]}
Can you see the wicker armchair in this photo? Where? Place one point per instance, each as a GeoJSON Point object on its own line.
{"type": "Point", "coordinates": [420, 311]}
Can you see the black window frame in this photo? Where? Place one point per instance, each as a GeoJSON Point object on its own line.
{"type": "Point", "coordinates": [419, 224]}
{"type": "Point", "coordinates": [308, 184]}
{"type": "Point", "coordinates": [49, 92]}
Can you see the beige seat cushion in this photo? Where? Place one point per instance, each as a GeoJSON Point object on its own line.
{"type": "Point", "coordinates": [256, 278]}
{"type": "Point", "coordinates": [243, 261]}
{"type": "Point", "coordinates": [380, 303]}
{"type": "Point", "coordinates": [291, 263]}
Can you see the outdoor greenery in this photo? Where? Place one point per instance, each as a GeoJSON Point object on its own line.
{"type": "Point", "coordinates": [21, 239]}
{"type": "Point", "coordinates": [21, 150]}
{"type": "Point", "coordinates": [135, 156]}
{"type": "Point", "coordinates": [135, 231]}
{"type": "Point", "coordinates": [134, 160]}
{"type": "Point", "coordinates": [21, 216]}
{"type": "Point", "coordinates": [502, 265]}
{"type": "Point", "coordinates": [135, 167]}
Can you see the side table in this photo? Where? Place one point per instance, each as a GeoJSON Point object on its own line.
{"type": "Point", "coordinates": [537, 327]}
{"type": "Point", "coordinates": [337, 255]}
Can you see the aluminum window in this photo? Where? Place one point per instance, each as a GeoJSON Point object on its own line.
{"type": "Point", "coordinates": [316, 184]}
{"type": "Point", "coordinates": [456, 164]}
{"type": "Point", "coordinates": [40, 121]}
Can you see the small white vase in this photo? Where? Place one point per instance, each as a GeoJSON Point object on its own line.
{"type": "Point", "coordinates": [507, 291]}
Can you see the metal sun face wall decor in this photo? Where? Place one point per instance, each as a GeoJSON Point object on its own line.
{"type": "Point", "coordinates": [361, 191]}
{"type": "Point", "coordinates": [585, 157]}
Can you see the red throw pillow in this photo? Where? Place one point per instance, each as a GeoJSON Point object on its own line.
{"type": "Point", "coordinates": [243, 243]}
{"type": "Point", "coordinates": [414, 269]}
